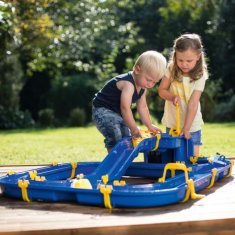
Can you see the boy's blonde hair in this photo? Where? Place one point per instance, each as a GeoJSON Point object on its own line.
{"type": "Point", "coordinates": [152, 61]}
{"type": "Point", "coordinates": [184, 43]}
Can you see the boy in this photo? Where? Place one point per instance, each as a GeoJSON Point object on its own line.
{"type": "Point", "coordinates": [111, 110]}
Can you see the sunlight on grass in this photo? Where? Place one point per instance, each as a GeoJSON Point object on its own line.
{"type": "Point", "coordinates": [219, 138]}
{"type": "Point", "coordinates": [86, 144]}
{"type": "Point", "coordinates": [45, 146]}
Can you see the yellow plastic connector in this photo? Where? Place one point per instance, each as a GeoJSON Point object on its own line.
{"type": "Point", "coordinates": [213, 175]}
{"type": "Point", "coordinates": [11, 172]}
{"type": "Point", "coordinates": [176, 131]}
{"type": "Point", "coordinates": [81, 183]}
{"type": "Point", "coordinates": [231, 168]}
{"type": "Point", "coordinates": [194, 159]}
{"type": "Point", "coordinates": [74, 166]}
{"type": "Point", "coordinates": [54, 163]}
{"type": "Point", "coordinates": [105, 178]}
{"type": "Point", "coordinates": [191, 192]}
{"type": "Point", "coordinates": [145, 134]}
{"type": "Point", "coordinates": [158, 137]}
{"type": "Point", "coordinates": [80, 176]}
{"type": "Point", "coordinates": [32, 175]}
{"type": "Point", "coordinates": [40, 178]}
{"type": "Point", "coordinates": [23, 185]}
{"type": "Point", "coordinates": [173, 167]}
{"type": "Point", "coordinates": [106, 190]}
{"type": "Point", "coordinates": [119, 183]}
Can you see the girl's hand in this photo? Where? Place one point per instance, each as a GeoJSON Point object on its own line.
{"type": "Point", "coordinates": [154, 129]}
{"type": "Point", "coordinates": [186, 134]}
{"type": "Point", "coordinates": [176, 100]}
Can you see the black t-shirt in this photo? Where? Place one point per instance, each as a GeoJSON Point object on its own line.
{"type": "Point", "coordinates": [109, 96]}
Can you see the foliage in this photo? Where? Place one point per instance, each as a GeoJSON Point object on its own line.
{"type": "Point", "coordinates": [225, 111]}
{"type": "Point", "coordinates": [10, 70]}
{"type": "Point", "coordinates": [70, 92]}
{"type": "Point", "coordinates": [77, 117]}
{"type": "Point", "coordinates": [46, 117]}
{"type": "Point", "coordinates": [223, 54]}
{"type": "Point", "coordinates": [14, 119]}
{"type": "Point", "coordinates": [46, 44]}
{"type": "Point", "coordinates": [210, 98]}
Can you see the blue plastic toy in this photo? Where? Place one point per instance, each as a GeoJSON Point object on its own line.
{"type": "Point", "coordinates": [169, 162]}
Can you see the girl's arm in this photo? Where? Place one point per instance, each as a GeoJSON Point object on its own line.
{"type": "Point", "coordinates": [143, 111]}
{"type": "Point", "coordinates": [164, 92]}
{"type": "Point", "coordinates": [191, 113]}
{"type": "Point", "coordinates": [127, 90]}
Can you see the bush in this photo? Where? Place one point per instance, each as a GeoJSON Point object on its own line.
{"type": "Point", "coordinates": [15, 119]}
{"type": "Point", "coordinates": [46, 117]}
{"type": "Point", "coordinates": [72, 91]}
{"type": "Point", "coordinates": [77, 117]}
{"type": "Point", "coordinates": [225, 111]}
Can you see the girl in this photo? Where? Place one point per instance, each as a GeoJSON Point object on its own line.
{"type": "Point", "coordinates": [184, 83]}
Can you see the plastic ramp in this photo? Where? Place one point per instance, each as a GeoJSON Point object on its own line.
{"type": "Point", "coordinates": [119, 159]}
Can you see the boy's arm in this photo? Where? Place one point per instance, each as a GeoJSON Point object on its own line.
{"type": "Point", "coordinates": [125, 104]}
{"type": "Point", "coordinates": [191, 112]}
{"type": "Point", "coordinates": [143, 111]}
{"type": "Point", "coordinates": [164, 92]}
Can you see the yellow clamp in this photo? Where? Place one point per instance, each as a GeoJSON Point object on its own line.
{"type": "Point", "coordinates": [80, 176]}
{"type": "Point", "coordinates": [176, 131]}
{"type": "Point", "coordinates": [158, 137]}
{"type": "Point", "coordinates": [40, 178]}
{"type": "Point", "coordinates": [74, 166]}
{"type": "Point", "coordinates": [213, 175]}
{"type": "Point", "coordinates": [145, 134]}
{"type": "Point", "coordinates": [191, 192]}
{"type": "Point", "coordinates": [119, 183]}
{"type": "Point", "coordinates": [81, 183]}
{"type": "Point", "coordinates": [54, 163]}
{"type": "Point", "coordinates": [194, 159]}
{"type": "Point", "coordinates": [231, 168]}
{"type": "Point", "coordinates": [173, 167]}
{"type": "Point", "coordinates": [32, 174]}
{"type": "Point", "coordinates": [23, 184]}
{"type": "Point", "coordinates": [11, 172]}
{"type": "Point", "coordinates": [106, 190]}
{"type": "Point", "coordinates": [105, 178]}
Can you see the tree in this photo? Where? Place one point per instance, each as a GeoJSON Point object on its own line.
{"type": "Point", "coordinates": [10, 70]}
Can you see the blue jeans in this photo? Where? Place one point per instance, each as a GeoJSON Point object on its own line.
{"type": "Point", "coordinates": [110, 124]}
{"type": "Point", "coordinates": [196, 136]}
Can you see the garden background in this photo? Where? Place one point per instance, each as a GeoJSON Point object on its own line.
{"type": "Point", "coordinates": [55, 55]}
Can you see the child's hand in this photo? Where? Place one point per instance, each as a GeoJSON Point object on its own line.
{"type": "Point", "coordinates": [136, 133]}
{"type": "Point", "coordinates": [176, 100]}
{"type": "Point", "coordinates": [154, 129]}
{"type": "Point", "coordinates": [186, 134]}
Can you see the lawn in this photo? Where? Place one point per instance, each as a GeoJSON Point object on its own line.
{"type": "Point", "coordinates": [86, 144]}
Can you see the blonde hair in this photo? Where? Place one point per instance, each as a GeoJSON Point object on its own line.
{"type": "Point", "coordinates": [181, 44]}
{"type": "Point", "coordinates": [152, 61]}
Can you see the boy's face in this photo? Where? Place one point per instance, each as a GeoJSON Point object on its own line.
{"type": "Point", "coordinates": [145, 79]}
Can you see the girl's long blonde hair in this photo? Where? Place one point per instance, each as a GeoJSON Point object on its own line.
{"type": "Point", "coordinates": [181, 44]}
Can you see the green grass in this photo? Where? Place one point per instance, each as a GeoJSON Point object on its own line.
{"type": "Point", "coordinates": [86, 144]}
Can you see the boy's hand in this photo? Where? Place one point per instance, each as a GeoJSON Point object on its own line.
{"type": "Point", "coordinates": [154, 129]}
{"type": "Point", "coordinates": [136, 133]}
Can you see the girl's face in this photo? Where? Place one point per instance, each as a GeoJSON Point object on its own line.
{"type": "Point", "coordinates": [187, 60]}
{"type": "Point", "coordinates": [145, 79]}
